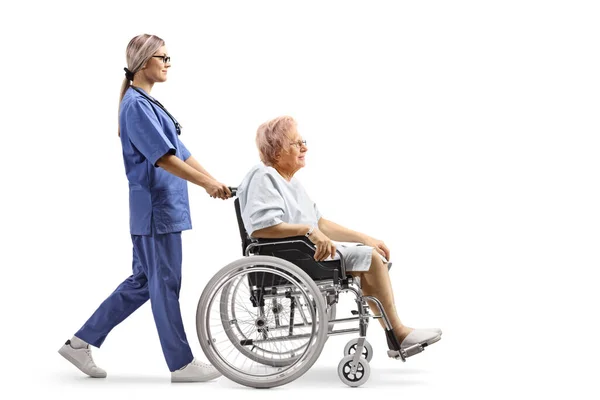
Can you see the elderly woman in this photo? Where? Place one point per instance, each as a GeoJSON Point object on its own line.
{"type": "Point", "coordinates": [275, 205]}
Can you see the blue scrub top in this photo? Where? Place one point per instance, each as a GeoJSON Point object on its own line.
{"type": "Point", "coordinates": [157, 199]}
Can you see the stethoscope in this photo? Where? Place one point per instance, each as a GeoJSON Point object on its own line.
{"type": "Point", "coordinates": [150, 99]}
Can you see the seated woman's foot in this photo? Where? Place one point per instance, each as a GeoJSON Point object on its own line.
{"type": "Point", "coordinates": [422, 337]}
{"type": "Point", "coordinates": [408, 337]}
{"type": "Point", "coordinates": [402, 332]}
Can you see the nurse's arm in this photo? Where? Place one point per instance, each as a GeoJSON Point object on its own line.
{"type": "Point", "coordinates": [177, 167]}
{"type": "Point", "coordinates": [191, 161]}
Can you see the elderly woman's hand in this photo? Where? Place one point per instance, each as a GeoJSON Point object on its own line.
{"type": "Point", "coordinates": [379, 246]}
{"type": "Point", "coordinates": [325, 246]}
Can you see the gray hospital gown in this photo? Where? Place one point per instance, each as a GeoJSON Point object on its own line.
{"type": "Point", "coordinates": [267, 199]}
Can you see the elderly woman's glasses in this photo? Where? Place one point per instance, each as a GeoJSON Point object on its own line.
{"type": "Point", "coordinates": [299, 143]}
{"type": "Point", "coordinates": [165, 59]}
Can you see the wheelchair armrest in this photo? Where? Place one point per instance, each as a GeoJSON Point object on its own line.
{"type": "Point", "coordinates": [301, 243]}
{"type": "Point", "coordinates": [286, 239]}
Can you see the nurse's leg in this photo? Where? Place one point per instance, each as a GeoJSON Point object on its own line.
{"type": "Point", "coordinates": [376, 282]}
{"type": "Point", "coordinates": [162, 259]}
{"type": "Point", "coordinates": [121, 303]}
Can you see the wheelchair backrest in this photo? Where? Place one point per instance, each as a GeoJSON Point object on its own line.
{"type": "Point", "coordinates": [243, 234]}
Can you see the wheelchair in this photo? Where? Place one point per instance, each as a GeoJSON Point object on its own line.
{"type": "Point", "coordinates": [263, 320]}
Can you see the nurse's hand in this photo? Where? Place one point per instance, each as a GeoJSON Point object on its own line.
{"type": "Point", "coordinates": [218, 190]}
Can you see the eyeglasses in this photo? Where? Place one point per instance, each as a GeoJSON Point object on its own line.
{"type": "Point", "coordinates": [165, 59]}
{"type": "Point", "coordinates": [299, 143]}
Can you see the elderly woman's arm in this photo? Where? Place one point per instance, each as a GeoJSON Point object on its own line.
{"type": "Point", "coordinates": [281, 230]}
{"type": "Point", "coordinates": [342, 234]}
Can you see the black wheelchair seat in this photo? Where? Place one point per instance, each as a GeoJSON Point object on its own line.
{"type": "Point", "coordinates": [298, 250]}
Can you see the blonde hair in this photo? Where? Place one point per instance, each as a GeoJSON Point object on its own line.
{"type": "Point", "coordinates": [139, 50]}
{"type": "Point", "coordinates": [271, 136]}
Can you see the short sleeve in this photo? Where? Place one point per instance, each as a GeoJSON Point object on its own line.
{"type": "Point", "coordinates": [317, 212]}
{"type": "Point", "coordinates": [185, 153]}
{"type": "Point", "coordinates": [145, 132]}
{"type": "Point", "coordinates": [263, 206]}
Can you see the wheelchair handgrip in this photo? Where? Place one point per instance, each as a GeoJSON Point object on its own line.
{"type": "Point", "coordinates": [233, 190]}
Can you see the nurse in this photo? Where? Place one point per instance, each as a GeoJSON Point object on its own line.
{"type": "Point", "coordinates": [158, 166]}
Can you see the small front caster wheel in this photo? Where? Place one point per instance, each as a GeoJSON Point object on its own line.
{"type": "Point", "coordinates": [357, 378]}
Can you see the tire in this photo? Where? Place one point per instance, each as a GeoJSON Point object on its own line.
{"type": "Point", "coordinates": [214, 342]}
{"type": "Point", "coordinates": [360, 377]}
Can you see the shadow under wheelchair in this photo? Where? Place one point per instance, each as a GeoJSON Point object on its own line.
{"type": "Point", "coordinates": [264, 319]}
{"type": "Point", "coordinates": [323, 376]}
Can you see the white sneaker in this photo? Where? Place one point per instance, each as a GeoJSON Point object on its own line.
{"type": "Point", "coordinates": [82, 359]}
{"type": "Point", "coordinates": [196, 371]}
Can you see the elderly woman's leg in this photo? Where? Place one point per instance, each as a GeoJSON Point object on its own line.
{"type": "Point", "coordinates": [376, 282]}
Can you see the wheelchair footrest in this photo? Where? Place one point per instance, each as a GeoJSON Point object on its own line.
{"type": "Point", "coordinates": [396, 354]}
{"type": "Point", "coordinates": [405, 353]}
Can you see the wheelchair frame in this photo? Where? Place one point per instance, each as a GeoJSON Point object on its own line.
{"type": "Point", "coordinates": [331, 280]}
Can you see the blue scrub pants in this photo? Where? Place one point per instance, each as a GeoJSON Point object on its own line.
{"type": "Point", "coordinates": [156, 276]}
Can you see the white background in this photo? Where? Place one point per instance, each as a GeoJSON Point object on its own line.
{"type": "Point", "coordinates": [462, 133]}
